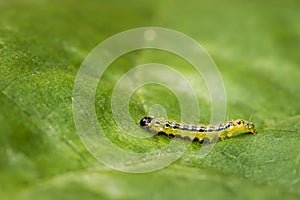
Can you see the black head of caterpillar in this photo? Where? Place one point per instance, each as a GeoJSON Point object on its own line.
{"type": "Point", "coordinates": [146, 121]}
{"type": "Point", "coordinates": [198, 132]}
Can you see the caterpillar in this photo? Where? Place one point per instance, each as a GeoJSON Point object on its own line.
{"type": "Point", "coordinates": [197, 132]}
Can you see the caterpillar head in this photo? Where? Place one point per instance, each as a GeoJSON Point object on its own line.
{"type": "Point", "coordinates": [146, 121]}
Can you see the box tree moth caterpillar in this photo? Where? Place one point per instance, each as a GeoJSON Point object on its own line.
{"type": "Point", "coordinates": [196, 132]}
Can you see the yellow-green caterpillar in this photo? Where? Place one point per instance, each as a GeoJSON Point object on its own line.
{"type": "Point", "coordinates": [197, 132]}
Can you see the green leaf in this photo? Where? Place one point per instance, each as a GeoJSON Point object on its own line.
{"type": "Point", "coordinates": [255, 46]}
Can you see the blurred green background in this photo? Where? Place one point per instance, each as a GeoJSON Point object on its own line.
{"type": "Point", "coordinates": [255, 45]}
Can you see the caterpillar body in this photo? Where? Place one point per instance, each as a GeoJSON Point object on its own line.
{"type": "Point", "coordinates": [197, 132]}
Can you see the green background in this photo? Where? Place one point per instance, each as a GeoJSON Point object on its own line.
{"type": "Point", "coordinates": [255, 45]}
